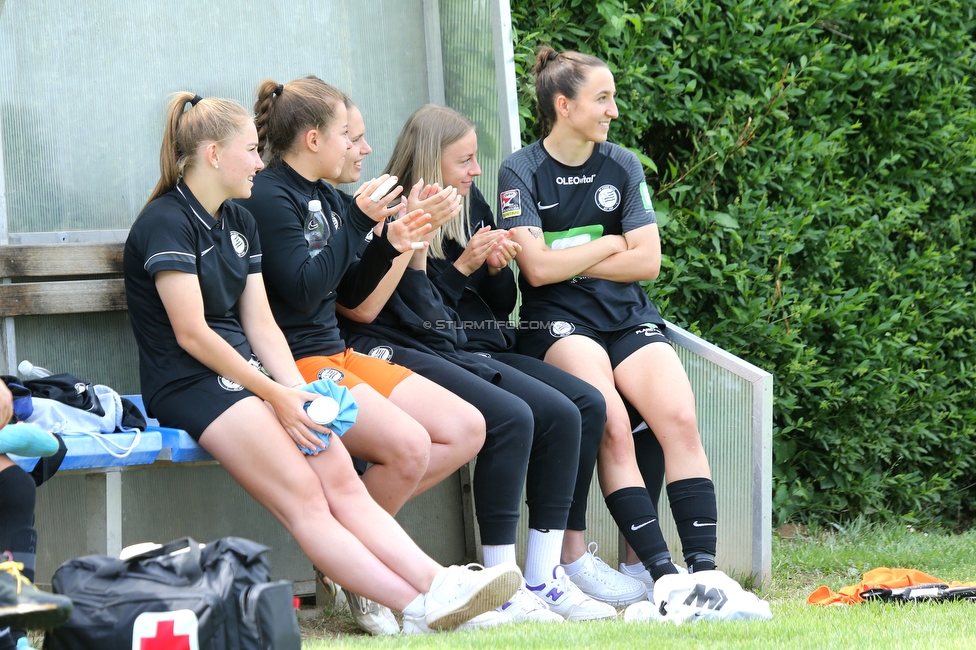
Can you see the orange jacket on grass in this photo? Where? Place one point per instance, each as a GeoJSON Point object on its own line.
{"type": "Point", "coordinates": [882, 577]}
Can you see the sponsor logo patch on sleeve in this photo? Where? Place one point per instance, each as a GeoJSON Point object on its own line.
{"type": "Point", "coordinates": [511, 204]}
{"type": "Point", "coordinates": [646, 196]}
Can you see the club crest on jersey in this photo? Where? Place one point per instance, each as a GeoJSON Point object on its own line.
{"type": "Point", "coordinates": [228, 385]}
{"type": "Point", "coordinates": [511, 204]}
{"type": "Point", "coordinates": [561, 329]}
{"type": "Point", "coordinates": [332, 374]}
{"type": "Point", "coordinates": [607, 198]}
{"type": "Point", "coordinates": [240, 243]}
{"type": "Point", "coordinates": [383, 352]}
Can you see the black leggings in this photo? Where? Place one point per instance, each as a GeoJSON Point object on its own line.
{"type": "Point", "coordinates": [17, 498]}
{"type": "Point", "coordinates": [593, 416]}
{"type": "Point", "coordinates": [529, 425]}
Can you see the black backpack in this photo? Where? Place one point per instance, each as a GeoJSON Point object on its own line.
{"type": "Point", "coordinates": [163, 598]}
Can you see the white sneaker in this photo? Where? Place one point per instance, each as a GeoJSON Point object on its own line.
{"type": "Point", "coordinates": [370, 616]}
{"type": "Point", "coordinates": [600, 582]}
{"type": "Point", "coordinates": [526, 606]}
{"type": "Point", "coordinates": [459, 593]}
{"type": "Point", "coordinates": [708, 595]}
{"type": "Point", "coordinates": [416, 625]}
{"type": "Point", "coordinates": [564, 598]}
{"type": "Point", "coordinates": [646, 578]}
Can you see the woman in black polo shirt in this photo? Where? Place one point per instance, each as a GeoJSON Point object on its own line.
{"type": "Point", "coordinates": [200, 315]}
{"type": "Point", "coordinates": [582, 212]}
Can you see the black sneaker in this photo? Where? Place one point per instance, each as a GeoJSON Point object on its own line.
{"type": "Point", "coordinates": [24, 606]}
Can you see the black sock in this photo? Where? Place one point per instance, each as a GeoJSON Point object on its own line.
{"type": "Point", "coordinates": [695, 516]}
{"type": "Point", "coordinates": [632, 509]}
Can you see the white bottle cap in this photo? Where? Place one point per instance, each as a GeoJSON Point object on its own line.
{"type": "Point", "coordinates": [323, 410]}
{"type": "Point", "coordinates": [25, 367]}
{"type": "Point", "coordinates": [314, 205]}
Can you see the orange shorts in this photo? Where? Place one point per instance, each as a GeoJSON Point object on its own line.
{"type": "Point", "coordinates": [351, 368]}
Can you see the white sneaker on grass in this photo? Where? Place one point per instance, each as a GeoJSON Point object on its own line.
{"type": "Point", "coordinates": [459, 593]}
{"type": "Point", "coordinates": [564, 598]}
{"type": "Point", "coordinates": [371, 616]}
{"type": "Point", "coordinates": [706, 595]}
{"type": "Point", "coordinates": [598, 581]}
{"type": "Point", "coordinates": [416, 625]}
{"type": "Point", "coordinates": [526, 606]}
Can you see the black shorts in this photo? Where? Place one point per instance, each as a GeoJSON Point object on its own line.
{"type": "Point", "coordinates": [619, 344]}
{"type": "Point", "coordinates": [194, 406]}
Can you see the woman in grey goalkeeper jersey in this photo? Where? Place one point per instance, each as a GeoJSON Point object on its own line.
{"type": "Point", "coordinates": [582, 213]}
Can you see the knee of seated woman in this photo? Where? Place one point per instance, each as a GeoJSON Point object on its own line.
{"type": "Point", "coordinates": [410, 460]}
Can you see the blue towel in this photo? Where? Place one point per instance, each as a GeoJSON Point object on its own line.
{"type": "Point", "coordinates": [28, 440]}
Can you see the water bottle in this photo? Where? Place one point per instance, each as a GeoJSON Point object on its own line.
{"type": "Point", "coordinates": [316, 228]}
{"type": "Point", "coordinates": [30, 371]}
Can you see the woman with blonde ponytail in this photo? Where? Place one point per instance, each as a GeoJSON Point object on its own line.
{"type": "Point", "coordinates": [213, 362]}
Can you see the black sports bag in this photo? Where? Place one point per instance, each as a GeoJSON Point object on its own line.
{"type": "Point", "coordinates": [180, 596]}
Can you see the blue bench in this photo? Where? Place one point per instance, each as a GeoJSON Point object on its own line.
{"type": "Point", "coordinates": [155, 443]}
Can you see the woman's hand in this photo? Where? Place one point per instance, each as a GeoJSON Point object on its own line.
{"type": "Point", "coordinates": [504, 252]}
{"type": "Point", "coordinates": [479, 247]}
{"type": "Point", "coordinates": [409, 231]}
{"type": "Point", "coordinates": [288, 405]}
{"type": "Point", "coordinates": [380, 209]}
{"type": "Point", "coordinates": [441, 204]}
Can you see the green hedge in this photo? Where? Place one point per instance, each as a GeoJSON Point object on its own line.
{"type": "Point", "coordinates": [814, 173]}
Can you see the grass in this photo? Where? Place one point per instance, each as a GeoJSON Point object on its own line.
{"type": "Point", "coordinates": [801, 563]}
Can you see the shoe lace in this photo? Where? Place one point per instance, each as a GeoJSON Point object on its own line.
{"type": "Point", "coordinates": [14, 569]}
{"type": "Point", "coordinates": [529, 600]}
{"type": "Point", "coordinates": [601, 568]}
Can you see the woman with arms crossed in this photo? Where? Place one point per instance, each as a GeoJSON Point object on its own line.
{"type": "Point", "coordinates": [582, 212]}
{"type": "Point", "coordinates": [200, 316]}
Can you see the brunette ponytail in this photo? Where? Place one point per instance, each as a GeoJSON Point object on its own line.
{"type": "Point", "coordinates": [559, 73]}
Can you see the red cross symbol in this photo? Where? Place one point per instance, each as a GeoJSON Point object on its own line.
{"type": "Point", "coordinates": [165, 639]}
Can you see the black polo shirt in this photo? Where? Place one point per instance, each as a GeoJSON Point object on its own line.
{"type": "Point", "coordinates": [175, 233]}
{"type": "Point", "coordinates": [606, 195]}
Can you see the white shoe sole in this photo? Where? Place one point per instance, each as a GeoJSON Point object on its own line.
{"type": "Point", "coordinates": [492, 595]}
{"type": "Point", "coordinates": [590, 616]}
